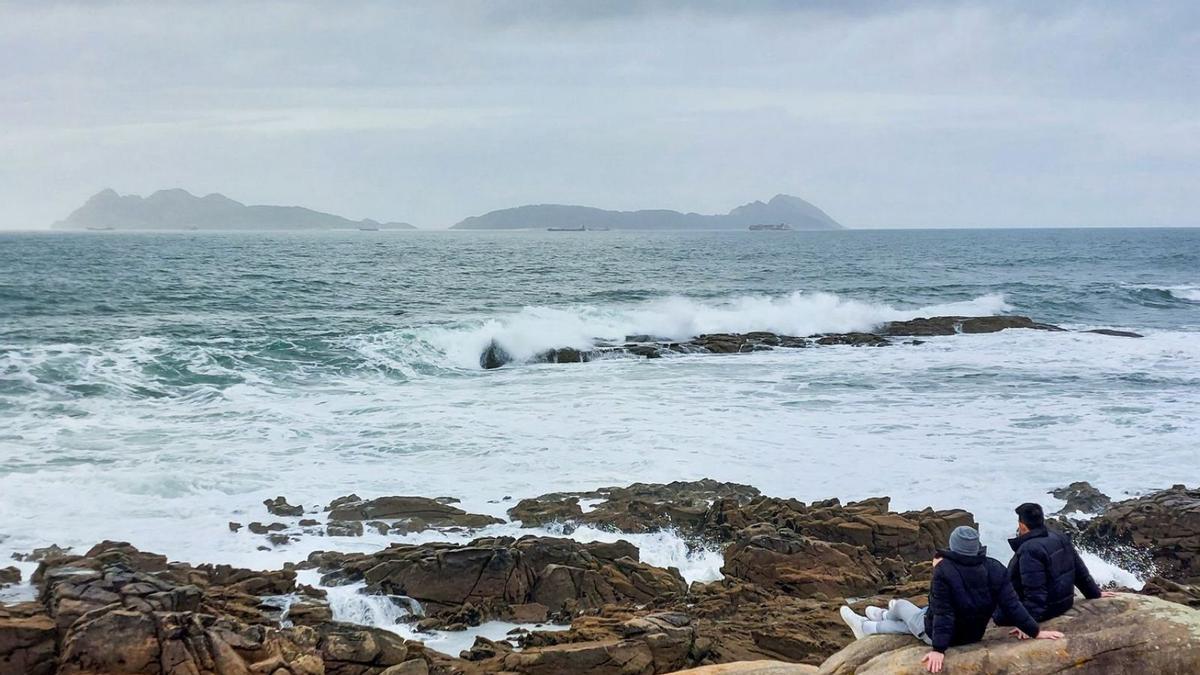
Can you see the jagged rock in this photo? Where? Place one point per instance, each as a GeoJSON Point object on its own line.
{"type": "Point", "coordinates": [27, 640]}
{"type": "Point", "coordinates": [494, 356]}
{"type": "Point", "coordinates": [1163, 525]}
{"type": "Point", "coordinates": [39, 554]}
{"type": "Point", "coordinates": [405, 514]}
{"type": "Point", "coordinates": [493, 574]}
{"type": "Point", "coordinates": [641, 507]}
{"type": "Point", "coordinates": [1081, 497]}
{"type": "Point", "coordinates": [234, 527]}
{"type": "Point", "coordinates": [1169, 590]}
{"type": "Point", "coordinates": [911, 536]}
{"type": "Point", "coordinates": [280, 507]}
{"type": "Point", "coordinates": [662, 642]}
{"type": "Point", "coordinates": [9, 575]}
{"type": "Point", "coordinates": [742, 622]}
{"type": "Point", "coordinates": [802, 566]}
{"type": "Point", "coordinates": [1125, 634]}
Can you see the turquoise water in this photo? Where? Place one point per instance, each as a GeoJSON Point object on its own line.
{"type": "Point", "coordinates": [153, 384]}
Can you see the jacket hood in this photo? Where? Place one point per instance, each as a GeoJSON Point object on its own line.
{"type": "Point", "coordinates": [1017, 542]}
{"type": "Point", "coordinates": [961, 559]}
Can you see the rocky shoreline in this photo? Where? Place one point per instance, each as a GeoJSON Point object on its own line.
{"type": "Point", "coordinates": [652, 347]}
{"type": "Point", "coordinates": [788, 565]}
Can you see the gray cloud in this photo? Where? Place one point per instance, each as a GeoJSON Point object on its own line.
{"type": "Point", "coordinates": [931, 114]}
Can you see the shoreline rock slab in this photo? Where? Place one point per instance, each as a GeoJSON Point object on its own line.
{"type": "Point", "coordinates": [1125, 634]}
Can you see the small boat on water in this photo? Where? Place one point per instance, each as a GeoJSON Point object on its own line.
{"type": "Point", "coordinates": [581, 228]}
{"type": "Point", "coordinates": [101, 229]}
{"type": "Point", "coordinates": [774, 227]}
{"type": "Point", "coordinates": [368, 229]}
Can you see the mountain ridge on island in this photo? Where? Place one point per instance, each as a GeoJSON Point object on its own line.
{"type": "Point", "coordinates": [178, 209]}
{"type": "Point", "coordinates": [793, 212]}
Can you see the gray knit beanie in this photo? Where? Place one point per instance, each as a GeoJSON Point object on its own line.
{"type": "Point", "coordinates": [964, 540]}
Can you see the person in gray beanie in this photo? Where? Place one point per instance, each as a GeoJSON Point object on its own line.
{"type": "Point", "coordinates": [967, 589]}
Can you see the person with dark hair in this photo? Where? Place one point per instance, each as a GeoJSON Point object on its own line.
{"type": "Point", "coordinates": [1045, 569]}
{"type": "Point", "coordinates": [967, 588]}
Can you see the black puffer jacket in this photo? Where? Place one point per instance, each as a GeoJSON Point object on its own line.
{"type": "Point", "coordinates": [966, 590]}
{"type": "Point", "coordinates": [1045, 571]}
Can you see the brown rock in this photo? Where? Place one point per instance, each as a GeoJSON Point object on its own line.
{"type": "Point", "coordinates": [9, 576]}
{"type": "Point", "coordinates": [27, 640]}
{"type": "Point", "coordinates": [1163, 526]}
{"type": "Point", "coordinates": [802, 566]}
{"type": "Point", "coordinates": [406, 514]}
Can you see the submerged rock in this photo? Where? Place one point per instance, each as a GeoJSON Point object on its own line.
{"type": "Point", "coordinates": [1115, 333]}
{"type": "Point", "coordinates": [1125, 634]}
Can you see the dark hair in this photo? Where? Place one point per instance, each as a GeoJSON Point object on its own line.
{"type": "Point", "coordinates": [1031, 515]}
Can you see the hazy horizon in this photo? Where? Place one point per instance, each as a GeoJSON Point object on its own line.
{"type": "Point", "coordinates": [935, 114]}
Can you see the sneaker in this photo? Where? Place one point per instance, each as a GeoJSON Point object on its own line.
{"type": "Point", "coordinates": [854, 621]}
{"type": "Point", "coordinates": [874, 613]}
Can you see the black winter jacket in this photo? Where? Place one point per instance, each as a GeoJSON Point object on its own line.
{"type": "Point", "coordinates": [966, 590]}
{"type": "Point", "coordinates": [1045, 571]}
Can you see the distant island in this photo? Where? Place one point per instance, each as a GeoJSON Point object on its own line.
{"type": "Point", "coordinates": [181, 210]}
{"type": "Point", "coordinates": [793, 212]}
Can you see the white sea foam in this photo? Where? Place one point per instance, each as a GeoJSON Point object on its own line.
{"type": "Point", "coordinates": [536, 329]}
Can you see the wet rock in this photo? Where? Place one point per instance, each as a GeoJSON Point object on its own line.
{"type": "Point", "coordinates": [405, 514]}
{"type": "Point", "coordinates": [234, 527]}
{"type": "Point", "coordinates": [491, 575]}
{"type": "Point", "coordinates": [854, 340]}
{"type": "Point", "coordinates": [1163, 525]}
{"type": "Point", "coordinates": [641, 507]}
{"type": "Point", "coordinates": [9, 576]}
{"type": "Point", "coordinates": [39, 554]}
{"type": "Point", "coordinates": [280, 507]}
{"type": "Point", "coordinates": [564, 355]}
{"type": "Point", "coordinates": [1108, 635]}
{"type": "Point", "coordinates": [1115, 333]}
{"type": "Point", "coordinates": [309, 522]}
{"type": "Point", "coordinates": [344, 529]}
{"type": "Point", "coordinates": [494, 356]}
{"type": "Point", "coordinates": [410, 667]}
{"type": "Point", "coordinates": [259, 528]}
{"type": "Point", "coordinates": [951, 325]}
{"type": "Point", "coordinates": [1081, 497]}
{"type": "Point", "coordinates": [27, 640]}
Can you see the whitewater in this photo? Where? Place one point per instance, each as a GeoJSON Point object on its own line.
{"type": "Point", "coordinates": [154, 387]}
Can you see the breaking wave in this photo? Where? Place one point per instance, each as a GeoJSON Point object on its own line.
{"type": "Point", "coordinates": [162, 367]}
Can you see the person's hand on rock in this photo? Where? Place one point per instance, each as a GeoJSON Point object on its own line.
{"type": "Point", "coordinates": [933, 661]}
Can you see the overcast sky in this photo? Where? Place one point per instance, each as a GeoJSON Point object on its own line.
{"type": "Point", "coordinates": [926, 114]}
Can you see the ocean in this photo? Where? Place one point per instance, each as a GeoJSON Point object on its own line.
{"type": "Point", "coordinates": [154, 387]}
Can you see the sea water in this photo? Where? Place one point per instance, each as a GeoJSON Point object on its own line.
{"type": "Point", "coordinates": [154, 387]}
